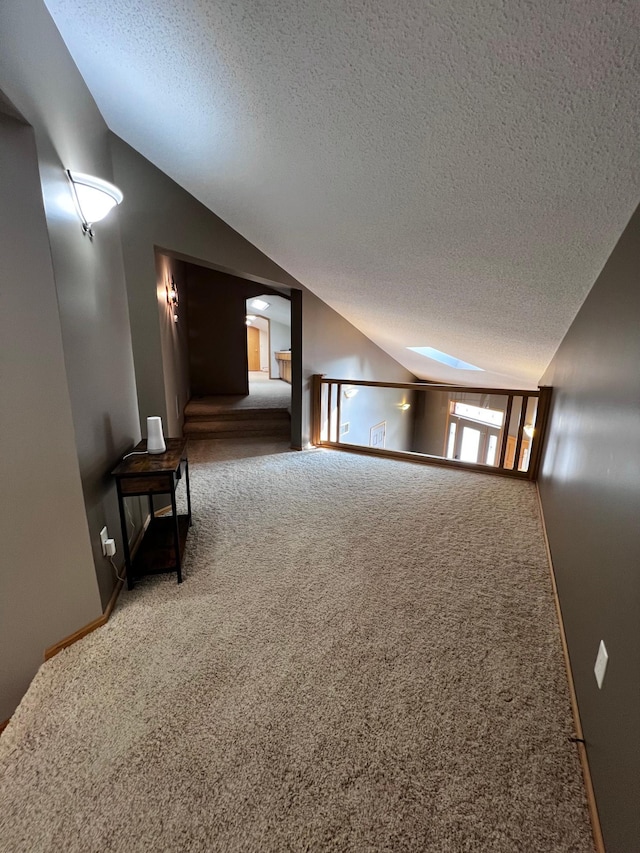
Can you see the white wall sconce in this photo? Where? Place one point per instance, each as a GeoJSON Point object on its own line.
{"type": "Point", "coordinates": [404, 406]}
{"type": "Point", "coordinates": [172, 297]}
{"type": "Point", "coordinates": [350, 392]}
{"type": "Point", "coordinates": [93, 197]}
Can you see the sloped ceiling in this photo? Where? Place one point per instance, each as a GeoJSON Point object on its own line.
{"type": "Point", "coordinates": [446, 173]}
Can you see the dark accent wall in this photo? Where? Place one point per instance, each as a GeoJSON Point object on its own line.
{"type": "Point", "coordinates": [216, 330]}
{"type": "Point", "coordinates": [590, 489]}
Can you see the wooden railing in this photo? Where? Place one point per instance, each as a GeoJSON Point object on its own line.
{"type": "Point", "coordinates": [505, 429]}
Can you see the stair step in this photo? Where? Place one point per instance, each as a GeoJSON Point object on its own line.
{"type": "Point", "coordinates": [269, 433]}
{"type": "Point", "coordinates": [245, 425]}
{"type": "Point", "coordinates": [206, 414]}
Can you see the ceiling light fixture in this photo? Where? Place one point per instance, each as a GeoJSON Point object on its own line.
{"type": "Point", "coordinates": [93, 197]}
{"type": "Point", "coordinates": [444, 358]}
{"type": "Point", "coordinates": [260, 304]}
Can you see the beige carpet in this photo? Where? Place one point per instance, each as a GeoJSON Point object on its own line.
{"type": "Point", "coordinates": [364, 656]}
{"type": "Point", "coordinates": [264, 393]}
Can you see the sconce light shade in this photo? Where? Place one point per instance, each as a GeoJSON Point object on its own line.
{"type": "Point", "coordinates": [94, 198]}
{"type": "Point", "coordinates": [155, 438]}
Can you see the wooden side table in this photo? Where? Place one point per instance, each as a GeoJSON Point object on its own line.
{"type": "Point", "coordinates": [164, 540]}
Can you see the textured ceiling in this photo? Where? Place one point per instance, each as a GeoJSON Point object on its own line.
{"type": "Point", "coordinates": [444, 173]}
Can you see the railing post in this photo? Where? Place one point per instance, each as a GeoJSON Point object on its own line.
{"type": "Point", "coordinates": [542, 418]}
{"type": "Point", "coordinates": [316, 408]}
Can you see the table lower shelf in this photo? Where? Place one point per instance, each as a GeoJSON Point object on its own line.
{"type": "Point", "coordinates": [157, 552]}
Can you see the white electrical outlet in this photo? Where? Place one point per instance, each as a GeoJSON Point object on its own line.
{"type": "Point", "coordinates": [104, 535]}
{"type": "Point", "coordinates": [110, 547]}
{"type": "Point", "coordinates": [601, 663]}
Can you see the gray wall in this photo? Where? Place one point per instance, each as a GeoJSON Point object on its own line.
{"type": "Point", "coordinates": [280, 339]}
{"type": "Point", "coordinates": [89, 277]}
{"type": "Point", "coordinates": [590, 488]}
{"type": "Point", "coordinates": [370, 407]}
{"type": "Point", "coordinates": [334, 347]}
{"type": "Point", "coordinates": [48, 588]}
{"type": "Point", "coordinates": [430, 422]}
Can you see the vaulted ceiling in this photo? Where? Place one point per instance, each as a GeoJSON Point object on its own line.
{"type": "Point", "coordinates": [442, 173]}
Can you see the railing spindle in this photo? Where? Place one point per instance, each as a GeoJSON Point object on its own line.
{"type": "Point", "coordinates": [521, 420]}
{"type": "Point", "coordinates": [505, 433]}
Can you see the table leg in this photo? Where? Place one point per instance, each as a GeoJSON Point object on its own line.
{"type": "Point", "coordinates": [186, 472]}
{"type": "Point", "coordinates": [176, 532]}
{"type": "Point", "coordinates": [125, 538]}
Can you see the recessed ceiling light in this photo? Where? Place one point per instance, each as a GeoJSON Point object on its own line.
{"type": "Point", "coordinates": [443, 358]}
{"type": "Point", "coordinates": [260, 304]}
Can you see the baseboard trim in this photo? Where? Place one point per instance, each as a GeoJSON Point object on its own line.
{"type": "Point", "coordinates": [101, 620]}
{"type": "Point", "coordinates": [596, 828]}
{"type": "Point", "coordinates": [88, 628]}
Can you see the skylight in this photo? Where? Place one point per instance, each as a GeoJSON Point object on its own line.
{"type": "Point", "coordinates": [260, 304]}
{"type": "Point", "coordinates": [443, 358]}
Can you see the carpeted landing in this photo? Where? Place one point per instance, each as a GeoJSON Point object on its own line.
{"type": "Point", "coordinates": [364, 656]}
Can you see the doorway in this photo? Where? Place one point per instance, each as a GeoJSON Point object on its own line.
{"type": "Point", "coordinates": [470, 441]}
{"type": "Point", "coordinates": [270, 315]}
{"type": "Point", "coordinates": [473, 433]}
{"type": "Point", "coordinates": [253, 348]}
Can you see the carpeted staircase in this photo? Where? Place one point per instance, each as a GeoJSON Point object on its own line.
{"type": "Point", "coordinates": [231, 417]}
